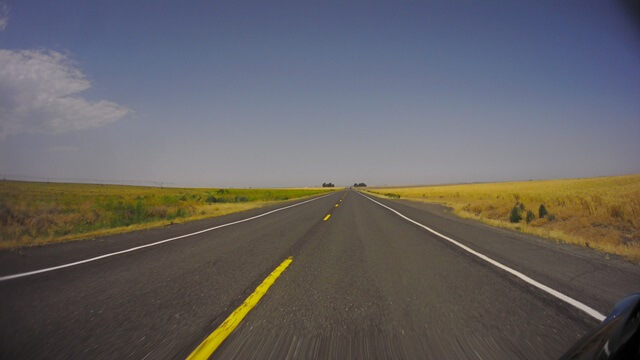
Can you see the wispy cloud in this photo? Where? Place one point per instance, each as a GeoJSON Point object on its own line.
{"type": "Point", "coordinates": [4, 16]}
{"type": "Point", "coordinates": [39, 92]}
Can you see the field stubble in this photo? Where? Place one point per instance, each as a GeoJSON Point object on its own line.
{"type": "Point", "coordinates": [602, 213]}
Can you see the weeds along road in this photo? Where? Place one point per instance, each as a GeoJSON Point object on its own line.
{"type": "Point", "coordinates": [363, 282]}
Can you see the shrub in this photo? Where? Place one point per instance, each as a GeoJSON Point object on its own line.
{"type": "Point", "coordinates": [551, 217]}
{"type": "Point", "coordinates": [211, 199]}
{"type": "Point", "coordinates": [392, 195]}
{"type": "Point", "coordinates": [530, 216]}
{"type": "Point", "coordinates": [139, 211]}
{"type": "Point", "coordinates": [542, 211]}
{"type": "Point", "coordinates": [516, 214]}
{"type": "Point", "coordinates": [158, 211]}
{"type": "Point", "coordinates": [180, 213]}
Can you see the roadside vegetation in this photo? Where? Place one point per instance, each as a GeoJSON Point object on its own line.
{"type": "Point", "coordinates": [34, 213]}
{"type": "Point", "coordinates": [601, 213]}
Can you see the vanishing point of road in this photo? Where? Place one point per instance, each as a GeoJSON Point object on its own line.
{"type": "Point", "coordinates": [344, 275]}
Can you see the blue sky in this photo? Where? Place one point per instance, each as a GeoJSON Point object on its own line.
{"type": "Point", "coordinates": [299, 93]}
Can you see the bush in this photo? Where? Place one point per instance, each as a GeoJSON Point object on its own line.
{"type": "Point", "coordinates": [516, 214]}
{"type": "Point", "coordinates": [530, 216]}
{"type": "Point", "coordinates": [551, 217]}
{"type": "Point", "coordinates": [180, 213]}
{"type": "Point", "coordinates": [158, 211]}
{"type": "Point", "coordinates": [542, 211]}
{"type": "Point", "coordinates": [139, 211]}
{"type": "Point", "coordinates": [392, 195]}
{"type": "Point", "coordinates": [211, 199]}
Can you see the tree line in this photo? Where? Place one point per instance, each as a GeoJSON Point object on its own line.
{"type": "Point", "coordinates": [354, 185]}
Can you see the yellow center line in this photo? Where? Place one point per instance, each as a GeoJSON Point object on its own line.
{"type": "Point", "coordinates": [336, 205]}
{"type": "Point", "coordinates": [327, 217]}
{"type": "Point", "coordinates": [211, 343]}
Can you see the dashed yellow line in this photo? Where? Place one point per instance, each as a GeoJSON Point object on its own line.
{"type": "Point", "coordinates": [211, 343]}
{"type": "Point", "coordinates": [337, 205]}
{"type": "Point", "coordinates": [327, 217]}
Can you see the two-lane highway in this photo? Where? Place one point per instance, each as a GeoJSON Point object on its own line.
{"type": "Point", "coordinates": [362, 282]}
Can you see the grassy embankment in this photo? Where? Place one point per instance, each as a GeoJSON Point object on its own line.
{"type": "Point", "coordinates": [38, 213]}
{"type": "Point", "coordinates": [602, 213]}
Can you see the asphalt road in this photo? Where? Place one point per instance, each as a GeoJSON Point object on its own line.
{"type": "Point", "coordinates": [365, 283]}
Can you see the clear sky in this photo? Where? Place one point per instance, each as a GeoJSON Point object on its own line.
{"type": "Point", "coordinates": [297, 93]}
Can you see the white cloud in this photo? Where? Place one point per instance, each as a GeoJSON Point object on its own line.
{"type": "Point", "coordinates": [39, 92]}
{"type": "Point", "coordinates": [4, 16]}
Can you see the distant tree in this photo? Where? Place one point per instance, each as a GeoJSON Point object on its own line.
{"type": "Point", "coordinates": [327, 185]}
{"type": "Point", "coordinates": [360, 185]}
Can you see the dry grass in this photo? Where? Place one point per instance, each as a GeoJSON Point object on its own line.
{"type": "Point", "coordinates": [602, 213]}
{"type": "Point", "coordinates": [38, 213]}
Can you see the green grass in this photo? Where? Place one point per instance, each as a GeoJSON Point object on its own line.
{"type": "Point", "coordinates": [34, 213]}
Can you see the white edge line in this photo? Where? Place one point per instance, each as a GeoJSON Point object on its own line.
{"type": "Point", "coordinates": [577, 304]}
{"type": "Point", "coordinates": [15, 276]}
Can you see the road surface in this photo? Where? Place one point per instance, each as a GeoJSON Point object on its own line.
{"type": "Point", "coordinates": [363, 282]}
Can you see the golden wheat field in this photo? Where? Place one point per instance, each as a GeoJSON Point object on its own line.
{"type": "Point", "coordinates": [602, 213]}
{"type": "Point", "coordinates": [33, 213]}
